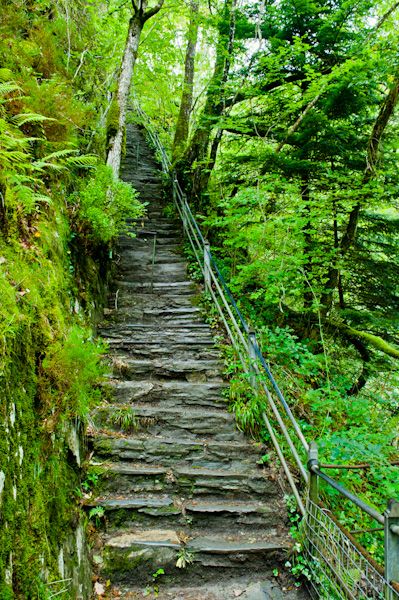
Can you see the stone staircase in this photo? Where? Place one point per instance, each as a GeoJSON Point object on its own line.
{"type": "Point", "coordinates": [188, 512]}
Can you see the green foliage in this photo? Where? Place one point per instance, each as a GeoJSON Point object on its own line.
{"type": "Point", "coordinates": [101, 206]}
{"type": "Point", "coordinates": [71, 371]}
{"type": "Point", "coordinates": [125, 419]}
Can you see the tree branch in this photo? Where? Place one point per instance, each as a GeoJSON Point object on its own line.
{"type": "Point", "coordinates": [152, 11]}
{"type": "Point", "coordinates": [374, 340]}
{"type": "Point", "coordinates": [298, 121]}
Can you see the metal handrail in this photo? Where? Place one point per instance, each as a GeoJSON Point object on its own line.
{"type": "Point", "coordinates": [248, 350]}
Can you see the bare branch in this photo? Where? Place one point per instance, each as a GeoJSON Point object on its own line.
{"type": "Point", "coordinates": [135, 7]}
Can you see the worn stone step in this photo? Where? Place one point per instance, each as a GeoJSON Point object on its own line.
{"type": "Point", "coordinates": [173, 393]}
{"type": "Point", "coordinates": [145, 550]}
{"type": "Point", "coordinates": [199, 329]}
{"type": "Point", "coordinates": [128, 478]}
{"type": "Point", "coordinates": [180, 287]}
{"type": "Point", "coordinates": [196, 370]}
{"type": "Point", "coordinates": [165, 343]}
{"type": "Point", "coordinates": [249, 585]}
{"type": "Point", "coordinates": [180, 350]}
{"type": "Point", "coordinates": [156, 449]}
{"type": "Point", "coordinates": [203, 513]}
{"type": "Point", "coordinates": [144, 257]}
{"type": "Point", "coordinates": [158, 419]}
{"type": "Point", "coordinates": [182, 335]}
{"type": "Point", "coordinates": [151, 302]}
{"type": "Point", "coordinates": [132, 307]}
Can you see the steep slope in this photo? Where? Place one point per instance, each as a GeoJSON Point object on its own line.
{"type": "Point", "coordinates": [181, 486]}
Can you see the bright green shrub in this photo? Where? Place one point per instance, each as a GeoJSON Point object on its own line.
{"type": "Point", "coordinates": [101, 206]}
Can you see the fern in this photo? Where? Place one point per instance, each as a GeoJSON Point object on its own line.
{"type": "Point", "coordinates": [7, 87]}
{"type": "Point", "coordinates": [24, 118]}
{"type": "Point", "coordinates": [5, 74]}
{"type": "Point", "coordinates": [87, 161]}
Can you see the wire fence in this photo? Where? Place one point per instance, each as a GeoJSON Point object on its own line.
{"type": "Point", "coordinates": [339, 567]}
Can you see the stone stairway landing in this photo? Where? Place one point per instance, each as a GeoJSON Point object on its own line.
{"type": "Point", "coordinates": [189, 514]}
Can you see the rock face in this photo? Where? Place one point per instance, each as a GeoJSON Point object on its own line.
{"type": "Point", "coordinates": [187, 508]}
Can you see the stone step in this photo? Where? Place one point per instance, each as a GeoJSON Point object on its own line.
{"type": "Point", "coordinates": [189, 480]}
{"type": "Point", "coordinates": [144, 256]}
{"type": "Point", "coordinates": [171, 393]}
{"type": "Point", "coordinates": [196, 370]}
{"type": "Point", "coordinates": [130, 243]}
{"type": "Point", "coordinates": [163, 350]}
{"type": "Point", "coordinates": [133, 555]}
{"type": "Point", "coordinates": [156, 449]}
{"type": "Point", "coordinates": [158, 419]}
{"type": "Point", "coordinates": [167, 303]}
{"type": "Point", "coordinates": [199, 329]}
{"type": "Point", "coordinates": [174, 287]}
{"type": "Point", "coordinates": [142, 307]}
{"type": "Point", "coordinates": [250, 585]}
{"type": "Point", "coordinates": [161, 510]}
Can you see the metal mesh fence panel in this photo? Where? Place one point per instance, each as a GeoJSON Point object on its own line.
{"type": "Point", "coordinates": [338, 569]}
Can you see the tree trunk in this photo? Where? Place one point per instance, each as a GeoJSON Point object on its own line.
{"type": "Point", "coordinates": [183, 121]}
{"type": "Point", "coordinates": [116, 127]}
{"type": "Point", "coordinates": [125, 78]}
{"type": "Point", "coordinates": [308, 244]}
{"type": "Point", "coordinates": [348, 239]}
{"type": "Point", "coordinates": [196, 153]}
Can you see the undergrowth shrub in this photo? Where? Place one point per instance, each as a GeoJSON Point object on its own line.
{"type": "Point", "coordinates": [101, 206]}
{"type": "Point", "coordinates": [71, 372]}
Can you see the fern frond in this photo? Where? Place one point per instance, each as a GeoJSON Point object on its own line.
{"type": "Point", "coordinates": [87, 161]}
{"type": "Point", "coordinates": [40, 165]}
{"type": "Point", "coordinates": [42, 198]}
{"type": "Point", "coordinates": [5, 74]}
{"type": "Point", "coordinates": [23, 118]}
{"type": "Point", "coordinates": [8, 87]}
{"type": "Point", "coordinates": [59, 154]}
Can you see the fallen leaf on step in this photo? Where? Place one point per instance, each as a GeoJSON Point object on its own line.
{"type": "Point", "coordinates": [99, 589]}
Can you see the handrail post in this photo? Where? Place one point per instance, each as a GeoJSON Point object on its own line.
{"type": "Point", "coordinates": [391, 543]}
{"type": "Point", "coordinates": [207, 266]}
{"type": "Point", "coordinates": [252, 356]}
{"type": "Point", "coordinates": [184, 213]}
{"type": "Point", "coordinates": [313, 461]}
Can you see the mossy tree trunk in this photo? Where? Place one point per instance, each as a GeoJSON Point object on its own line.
{"type": "Point", "coordinates": [183, 121]}
{"type": "Point", "coordinates": [386, 111]}
{"type": "Point", "coordinates": [197, 151]}
{"type": "Point", "coordinates": [116, 128]}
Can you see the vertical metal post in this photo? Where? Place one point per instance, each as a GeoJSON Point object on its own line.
{"type": "Point", "coordinates": [313, 461]}
{"type": "Point", "coordinates": [391, 543]}
{"type": "Point", "coordinates": [252, 356]}
{"type": "Point", "coordinates": [207, 266]}
{"type": "Point", "coordinates": [184, 210]}
{"type": "Point", "coordinates": [154, 250]}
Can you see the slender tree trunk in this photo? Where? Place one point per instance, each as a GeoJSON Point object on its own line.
{"type": "Point", "coordinates": [124, 83]}
{"type": "Point", "coordinates": [307, 248]}
{"type": "Point", "coordinates": [141, 14]}
{"type": "Point", "coordinates": [198, 148]}
{"type": "Point", "coordinates": [348, 239]}
{"type": "Point", "coordinates": [186, 103]}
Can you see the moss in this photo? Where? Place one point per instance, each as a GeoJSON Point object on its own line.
{"type": "Point", "coordinates": [112, 121]}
